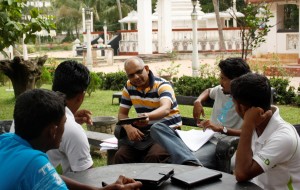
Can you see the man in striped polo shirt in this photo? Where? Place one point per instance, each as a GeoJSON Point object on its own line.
{"type": "Point", "coordinates": [152, 97]}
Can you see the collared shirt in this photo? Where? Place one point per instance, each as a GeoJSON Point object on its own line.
{"type": "Point", "coordinates": [147, 100]}
{"type": "Point", "coordinates": [277, 151]}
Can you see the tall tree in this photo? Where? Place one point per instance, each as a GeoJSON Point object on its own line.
{"type": "Point", "coordinates": [254, 26]}
{"type": "Point", "coordinates": [220, 27]}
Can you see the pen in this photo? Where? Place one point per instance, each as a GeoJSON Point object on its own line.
{"type": "Point", "coordinates": [104, 184]}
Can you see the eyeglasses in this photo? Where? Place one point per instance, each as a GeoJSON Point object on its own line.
{"type": "Point", "coordinates": [138, 72]}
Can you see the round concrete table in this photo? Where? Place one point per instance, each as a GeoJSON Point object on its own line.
{"type": "Point", "coordinates": [110, 173]}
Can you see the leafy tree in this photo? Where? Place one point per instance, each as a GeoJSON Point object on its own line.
{"type": "Point", "coordinates": [254, 26]}
{"type": "Point", "coordinates": [12, 25]}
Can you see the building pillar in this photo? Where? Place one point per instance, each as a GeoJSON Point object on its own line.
{"type": "Point", "coordinates": [145, 26]}
{"type": "Point", "coordinates": [164, 26]}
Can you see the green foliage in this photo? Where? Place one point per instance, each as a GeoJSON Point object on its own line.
{"type": "Point", "coordinates": [3, 79]}
{"type": "Point", "coordinates": [45, 78]}
{"type": "Point", "coordinates": [12, 27]}
{"type": "Point", "coordinates": [285, 94]}
{"type": "Point", "coordinates": [297, 100]}
{"type": "Point", "coordinates": [115, 81]}
{"type": "Point", "coordinates": [254, 26]}
{"type": "Point", "coordinates": [193, 86]}
{"type": "Point", "coordinates": [95, 83]}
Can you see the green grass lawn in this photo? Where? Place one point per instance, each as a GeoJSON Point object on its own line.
{"type": "Point", "coordinates": [100, 103]}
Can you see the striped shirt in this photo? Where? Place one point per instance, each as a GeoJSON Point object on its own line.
{"type": "Point", "coordinates": [147, 100]}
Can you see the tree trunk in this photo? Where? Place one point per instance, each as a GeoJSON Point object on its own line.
{"type": "Point", "coordinates": [220, 30]}
{"type": "Point", "coordinates": [23, 74]}
{"type": "Point", "coordinates": [120, 13]}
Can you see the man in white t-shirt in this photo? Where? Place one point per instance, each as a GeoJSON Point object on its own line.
{"type": "Point", "coordinates": [72, 79]}
{"type": "Point", "coordinates": [224, 119]}
{"type": "Point", "coordinates": [268, 149]}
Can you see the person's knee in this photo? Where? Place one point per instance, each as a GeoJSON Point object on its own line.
{"type": "Point", "coordinates": [156, 129]}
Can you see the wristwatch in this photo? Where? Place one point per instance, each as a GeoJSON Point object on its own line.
{"type": "Point", "coordinates": [224, 130]}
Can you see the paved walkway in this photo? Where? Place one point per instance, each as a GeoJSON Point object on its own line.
{"type": "Point", "coordinates": [184, 69]}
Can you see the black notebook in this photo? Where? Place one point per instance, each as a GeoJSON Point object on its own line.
{"type": "Point", "coordinates": [195, 177]}
{"type": "Point", "coordinates": [153, 177]}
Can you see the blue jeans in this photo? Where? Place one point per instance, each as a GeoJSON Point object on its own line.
{"type": "Point", "coordinates": [167, 138]}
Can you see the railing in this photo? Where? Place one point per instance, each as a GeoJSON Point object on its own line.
{"type": "Point", "coordinates": [208, 40]}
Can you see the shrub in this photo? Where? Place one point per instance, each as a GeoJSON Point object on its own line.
{"type": "Point", "coordinates": [285, 94]}
{"type": "Point", "coordinates": [3, 79]}
{"type": "Point", "coordinates": [95, 83]}
{"type": "Point", "coordinates": [194, 86]}
{"type": "Point", "coordinates": [115, 81]}
{"type": "Point", "coordinates": [45, 78]}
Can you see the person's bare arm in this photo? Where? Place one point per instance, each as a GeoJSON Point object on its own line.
{"type": "Point", "coordinates": [246, 168]}
{"type": "Point", "coordinates": [207, 124]}
{"type": "Point", "coordinates": [162, 111]}
{"type": "Point", "coordinates": [122, 183]}
{"type": "Point", "coordinates": [198, 108]}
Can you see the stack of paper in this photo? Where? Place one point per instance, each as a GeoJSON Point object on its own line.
{"type": "Point", "coordinates": [111, 143]}
{"type": "Point", "coordinates": [195, 139]}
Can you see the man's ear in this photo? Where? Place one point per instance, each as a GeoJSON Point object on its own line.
{"type": "Point", "coordinates": [243, 108]}
{"type": "Point", "coordinates": [80, 97]}
{"type": "Point", "coordinates": [52, 131]}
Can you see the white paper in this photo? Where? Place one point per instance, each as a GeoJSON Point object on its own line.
{"type": "Point", "coordinates": [195, 139]}
{"type": "Point", "coordinates": [112, 140]}
{"type": "Point", "coordinates": [110, 143]}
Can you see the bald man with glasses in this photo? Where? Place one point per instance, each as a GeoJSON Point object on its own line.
{"type": "Point", "coordinates": [152, 97]}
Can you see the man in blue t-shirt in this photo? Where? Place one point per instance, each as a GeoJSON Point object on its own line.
{"type": "Point", "coordinates": [39, 117]}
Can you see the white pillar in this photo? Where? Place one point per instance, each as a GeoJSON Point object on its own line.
{"type": "Point", "coordinates": [83, 25]}
{"type": "Point", "coordinates": [164, 26]}
{"type": "Point", "coordinates": [195, 59]}
{"type": "Point", "coordinates": [11, 52]}
{"type": "Point", "coordinates": [105, 34]}
{"type": "Point", "coordinates": [144, 26]}
{"type": "Point", "coordinates": [234, 13]}
{"type": "Point", "coordinates": [128, 26]}
{"type": "Point", "coordinates": [25, 51]}
{"type": "Point", "coordinates": [89, 59]}
{"type": "Point", "coordinates": [92, 22]}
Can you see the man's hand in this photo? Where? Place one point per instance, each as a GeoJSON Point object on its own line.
{"type": "Point", "coordinates": [198, 111]}
{"type": "Point", "coordinates": [83, 116]}
{"type": "Point", "coordinates": [124, 183]}
{"type": "Point", "coordinates": [133, 133]}
{"type": "Point", "coordinates": [207, 124]}
{"type": "Point", "coordinates": [257, 116]}
{"type": "Point", "coordinates": [142, 123]}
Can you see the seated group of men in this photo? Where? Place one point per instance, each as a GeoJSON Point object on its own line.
{"type": "Point", "coordinates": [49, 122]}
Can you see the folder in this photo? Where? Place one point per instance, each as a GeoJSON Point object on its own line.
{"type": "Point", "coordinates": [196, 177]}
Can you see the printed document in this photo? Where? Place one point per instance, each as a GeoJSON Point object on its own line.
{"type": "Point", "coordinates": [111, 143]}
{"type": "Point", "coordinates": [195, 139]}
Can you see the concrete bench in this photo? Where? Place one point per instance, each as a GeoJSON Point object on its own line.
{"type": "Point", "coordinates": [116, 95]}
{"type": "Point", "coordinates": [96, 138]}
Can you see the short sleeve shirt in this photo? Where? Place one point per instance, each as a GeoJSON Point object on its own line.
{"type": "Point", "coordinates": [277, 152]}
{"type": "Point", "coordinates": [147, 100]}
{"type": "Point", "coordinates": [74, 150]}
{"type": "Point", "coordinates": [22, 167]}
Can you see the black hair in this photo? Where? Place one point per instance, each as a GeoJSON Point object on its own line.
{"type": "Point", "coordinates": [71, 78]}
{"type": "Point", "coordinates": [35, 110]}
{"type": "Point", "coordinates": [234, 67]}
{"type": "Point", "coordinates": [252, 90]}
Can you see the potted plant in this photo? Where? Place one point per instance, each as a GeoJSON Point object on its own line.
{"type": "Point", "coordinates": [168, 72]}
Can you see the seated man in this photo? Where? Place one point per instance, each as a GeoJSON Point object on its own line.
{"type": "Point", "coordinates": [72, 79]}
{"type": "Point", "coordinates": [224, 118]}
{"type": "Point", "coordinates": [39, 117]}
{"type": "Point", "coordinates": [152, 97]}
{"type": "Point", "coordinates": [268, 149]}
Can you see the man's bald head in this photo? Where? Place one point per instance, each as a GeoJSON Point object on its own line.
{"type": "Point", "coordinates": [133, 61]}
